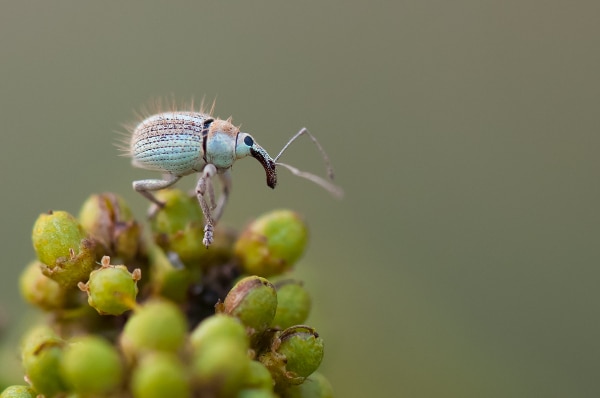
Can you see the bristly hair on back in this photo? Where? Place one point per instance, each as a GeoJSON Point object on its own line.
{"type": "Point", "coordinates": [159, 105]}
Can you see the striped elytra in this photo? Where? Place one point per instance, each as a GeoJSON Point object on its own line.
{"type": "Point", "coordinates": [171, 142]}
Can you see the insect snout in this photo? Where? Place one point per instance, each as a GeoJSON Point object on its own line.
{"type": "Point", "coordinates": [267, 163]}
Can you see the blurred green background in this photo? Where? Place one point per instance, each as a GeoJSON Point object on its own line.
{"type": "Point", "coordinates": [463, 261]}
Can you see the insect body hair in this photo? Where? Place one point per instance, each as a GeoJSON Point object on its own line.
{"type": "Point", "coordinates": [155, 106]}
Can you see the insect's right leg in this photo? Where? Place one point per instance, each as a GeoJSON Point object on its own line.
{"type": "Point", "coordinates": [145, 187]}
{"type": "Point", "coordinates": [226, 188]}
{"type": "Point", "coordinates": [205, 186]}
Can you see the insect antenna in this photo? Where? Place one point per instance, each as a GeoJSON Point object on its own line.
{"type": "Point", "coordinates": [330, 187]}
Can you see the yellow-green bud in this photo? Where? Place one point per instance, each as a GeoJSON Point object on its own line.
{"type": "Point", "coordinates": [167, 280]}
{"type": "Point", "coordinates": [295, 353]}
{"type": "Point", "coordinates": [18, 392]}
{"type": "Point", "coordinates": [157, 325]}
{"type": "Point", "coordinates": [158, 375]}
{"type": "Point", "coordinates": [112, 289]}
{"type": "Point", "coordinates": [178, 226]}
{"type": "Point", "coordinates": [259, 377]}
{"type": "Point", "coordinates": [61, 244]}
{"type": "Point", "coordinates": [256, 393]}
{"type": "Point", "coordinates": [253, 300]}
{"type": "Point", "coordinates": [40, 290]}
{"type": "Point", "coordinates": [303, 349]}
{"type": "Point", "coordinates": [221, 367]}
{"type": "Point", "coordinates": [272, 243]}
{"type": "Point", "coordinates": [293, 304]}
{"type": "Point", "coordinates": [91, 365]}
{"type": "Point", "coordinates": [315, 386]}
{"type": "Point", "coordinates": [109, 220]}
{"type": "Point", "coordinates": [219, 327]}
{"type": "Point", "coordinates": [41, 353]}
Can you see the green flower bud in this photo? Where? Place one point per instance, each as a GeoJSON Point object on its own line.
{"type": "Point", "coordinates": [179, 211]}
{"type": "Point", "coordinates": [315, 386]}
{"type": "Point", "coordinates": [18, 392]}
{"type": "Point", "coordinates": [219, 327]}
{"type": "Point", "coordinates": [41, 353]}
{"type": "Point", "coordinates": [179, 227]}
{"type": "Point", "coordinates": [61, 244]}
{"type": "Point", "coordinates": [256, 393]}
{"type": "Point", "coordinates": [259, 377]}
{"type": "Point", "coordinates": [91, 365]}
{"type": "Point", "coordinates": [111, 289]}
{"type": "Point", "coordinates": [295, 353]}
{"type": "Point", "coordinates": [40, 290]}
{"type": "Point", "coordinates": [221, 368]}
{"type": "Point", "coordinates": [303, 349]}
{"type": "Point", "coordinates": [36, 338]}
{"type": "Point", "coordinates": [167, 280]}
{"type": "Point", "coordinates": [157, 325]}
{"type": "Point", "coordinates": [293, 304]}
{"type": "Point", "coordinates": [272, 243]}
{"type": "Point", "coordinates": [253, 300]}
{"type": "Point", "coordinates": [108, 219]}
{"type": "Point", "coordinates": [159, 375]}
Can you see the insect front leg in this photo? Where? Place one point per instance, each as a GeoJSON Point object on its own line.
{"type": "Point", "coordinates": [145, 187]}
{"type": "Point", "coordinates": [212, 203]}
{"type": "Point", "coordinates": [226, 186]}
{"type": "Point", "coordinates": [204, 185]}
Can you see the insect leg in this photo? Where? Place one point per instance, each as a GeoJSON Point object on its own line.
{"type": "Point", "coordinates": [226, 186]}
{"type": "Point", "coordinates": [203, 186]}
{"type": "Point", "coordinates": [212, 203]}
{"type": "Point", "coordinates": [146, 186]}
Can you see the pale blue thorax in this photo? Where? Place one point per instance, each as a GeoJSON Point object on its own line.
{"type": "Point", "coordinates": [220, 150]}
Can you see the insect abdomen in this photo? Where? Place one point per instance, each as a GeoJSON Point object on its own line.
{"type": "Point", "coordinates": [170, 142]}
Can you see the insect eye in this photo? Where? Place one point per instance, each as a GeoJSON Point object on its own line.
{"type": "Point", "coordinates": [248, 141]}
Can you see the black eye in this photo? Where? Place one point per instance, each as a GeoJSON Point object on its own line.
{"type": "Point", "coordinates": [248, 141]}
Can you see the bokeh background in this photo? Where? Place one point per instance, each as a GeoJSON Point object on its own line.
{"type": "Point", "coordinates": [463, 260]}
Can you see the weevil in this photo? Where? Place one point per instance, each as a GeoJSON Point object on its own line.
{"type": "Point", "coordinates": [182, 143]}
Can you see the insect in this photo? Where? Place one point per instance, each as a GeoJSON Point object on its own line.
{"type": "Point", "coordinates": [179, 143]}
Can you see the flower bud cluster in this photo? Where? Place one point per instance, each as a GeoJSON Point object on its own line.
{"type": "Point", "coordinates": [163, 316]}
